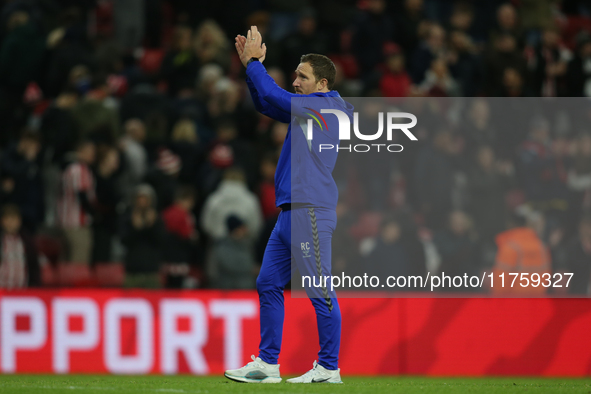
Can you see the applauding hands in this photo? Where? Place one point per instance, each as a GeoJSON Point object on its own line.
{"type": "Point", "coordinates": [251, 46]}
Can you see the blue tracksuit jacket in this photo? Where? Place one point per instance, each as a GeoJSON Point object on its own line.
{"type": "Point", "coordinates": [306, 177]}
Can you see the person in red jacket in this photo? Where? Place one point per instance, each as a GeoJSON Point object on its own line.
{"type": "Point", "coordinates": [395, 81]}
{"type": "Point", "coordinates": [181, 237]}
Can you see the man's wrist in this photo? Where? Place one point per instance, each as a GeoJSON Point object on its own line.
{"type": "Point", "coordinates": [252, 59]}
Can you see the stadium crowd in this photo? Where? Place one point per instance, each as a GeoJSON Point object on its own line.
{"type": "Point", "coordinates": [128, 135]}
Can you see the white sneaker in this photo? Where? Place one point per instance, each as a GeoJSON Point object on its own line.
{"type": "Point", "coordinates": [256, 371]}
{"type": "Point", "coordinates": [318, 374]}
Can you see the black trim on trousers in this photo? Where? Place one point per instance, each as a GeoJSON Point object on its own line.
{"type": "Point", "coordinates": [316, 241]}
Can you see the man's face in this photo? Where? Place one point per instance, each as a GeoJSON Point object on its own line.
{"type": "Point", "coordinates": [305, 82]}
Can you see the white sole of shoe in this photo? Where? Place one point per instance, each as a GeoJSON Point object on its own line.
{"type": "Point", "coordinates": [341, 382]}
{"type": "Point", "coordinates": [243, 379]}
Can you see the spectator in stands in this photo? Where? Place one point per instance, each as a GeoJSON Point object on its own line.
{"type": "Point", "coordinates": [503, 54]}
{"type": "Point", "coordinates": [76, 203]}
{"type": "Point", "coordinates": [179, 248]}
{"type": "Point", "coordinates": [17, 66]}
{"type": "Point", "coordinates": [185, 143]}
{"type": "Point", "coordinates": [211, 45]}
{"type": "Point", "coordinates": [143, 235]}
{"type": "Point", "coordinates": [395, 81]}
{"type": "Point", "coordinates": [96, 119]}
{"type": "Point", "coordinates": [231, 197]}
{"type": "Point", "coordinates": [129, 19]}
{"type": "Point", "coordinates": [488, 181]}
{"type": "Point", "coordinates": [346, 256]}
{"type": "Point", "coordinates": [278, 133]}
{"type": "Point", "coordinates": [389, 257]}
{"type": "Point", "coordinates": [410, 25]}
{"type": "Point", "coordinates": [412, 242]}
{"type": "Point", "coordinates": [513, 84]}
{"type": "Point", "coordinates": [536, 15]}
{"type": "Point", "coordinates": [21, 167]}
{"type": "Point", "coordinates": [346, 87]}
{"type": "Point", "coordinates": [462, 19]}
{"type": "Point", "coordinates": [306, 39]}
{"type": "Point", "coordinates": [477, 130]}
{"type": "Point", "coordinates": [439, 82]}
{"type": "Point", "coordinates": [579, 178]}
{"type": "Point", "coordinates": [58, 127]}
{"type": "Point", "coordinates": [520, 250]}
{"type": "Point", "coordinates": [224, 98]}
{"type": "Point", "coordinates": [435, 179]}
{"type": "Point", "coordinates": [19, 261]}
{"type": "Point", "coordinates": [164, 177]}
{"type": "Point", "coordinates": [373, 30]}
{"type": "Point", "coordinates": [267, 199]}
{"type": "Point", "coordinates": [507, 22]}
{"type": "Point", "coordinates": [143, 102]}
{"type": "Point", "coordinates": [579, 72]}
{"type": "Point", "coordinates": [68, 51]}
{"type": "Point", "coordinates": [267, 186]}
{"type": "Point", "coordinates": [395, 251]}
{"type": "Point", "coordinates": [433, 47]}
{"type": "Point", "coordinates": [548, 64]}
{"type": "Point", "coordinates": [233, 257]}
{"type": "Point", "coordinates": [464, 64]}
{"type": "Point", "coordinates": [80, 78]}
{"type": "Point", "coordinates": [108, 196]}
{"type": "Point", "coordinates": [576, 259]}
{"type": "Point", "coordinates": [208, 76]}
{"type": "Point", "coordinates": [542, 175]}
{"type": "Point", "coordinates": [131, 145]}
{"type": "Point", "coordinates": [458, 247]}
{"type": "Point", "coordinates": [225, 104]}
{"type": "Point", "coordinates": [180, 65]}
{"type": "Point", "coordinates": [229, 149]}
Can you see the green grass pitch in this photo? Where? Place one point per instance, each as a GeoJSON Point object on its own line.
{"type": "Point", "coordinates": [371, 385]}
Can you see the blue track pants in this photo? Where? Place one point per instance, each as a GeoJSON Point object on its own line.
{"type": "Point", "coordinates": [304, 235]}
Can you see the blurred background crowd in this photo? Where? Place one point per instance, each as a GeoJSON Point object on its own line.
{"type": "Point", "coordinates": [131, 153]}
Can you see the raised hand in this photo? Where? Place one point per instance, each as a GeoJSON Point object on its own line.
{"type": "Point", "coordinates": [240, 43]}
{"type": "Point", "coordinates": [250, 46]}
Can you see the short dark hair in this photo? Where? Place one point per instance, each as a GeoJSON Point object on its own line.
{"type": "Point", "coordinates": [322, 67]}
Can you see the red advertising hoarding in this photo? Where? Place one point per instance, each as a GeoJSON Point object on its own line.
{"type": "Point", "coordinates": [206, 332]}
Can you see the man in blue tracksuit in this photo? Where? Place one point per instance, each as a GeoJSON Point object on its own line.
{"type": "Point", "coordinates": [307, 195]}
